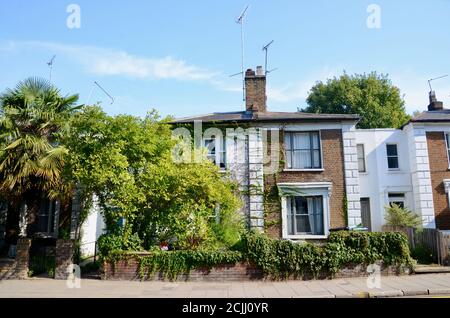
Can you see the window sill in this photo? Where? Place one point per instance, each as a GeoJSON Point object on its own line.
{"type": "Point", "coordinates": [363, 173]}
{"type": "Point", "coordinates": [304, 170]}
{"type": "Point", "coordinates": [395, 171]}
{"type": "Point", "coordinates": [305, 237]}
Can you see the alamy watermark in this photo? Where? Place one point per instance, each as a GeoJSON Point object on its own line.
{"type": "Point", "coordinates": [74, 277]}
{"type": "Point", "coordinates": [374, 278]}
{"type": "Point", "coordinates": [228, 148]}
{"type": "Point", "coordinates": [73, 21]}
{"type": "Point", "coordinates": [374, 19]}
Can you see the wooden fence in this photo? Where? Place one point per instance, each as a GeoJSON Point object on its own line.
{"type": "Point", "coordinates": [436, 241]}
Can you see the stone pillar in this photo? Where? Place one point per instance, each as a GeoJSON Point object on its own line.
{"type": "Point", "coordinates": [256, 179]}
{"type": "Point", "coordinates": [420, 175]}
{"type": "Point", "coordinates": [22, 258]}
{"type": "Point", "coordinates": [351, 175]}
{"type": "Point", "coordinates": [64, 257]}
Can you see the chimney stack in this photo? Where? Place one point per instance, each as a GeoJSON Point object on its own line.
{"type": "Point", "coordinates": [255, 90]}
{"type": "Point", "coordinates": [434, 103]}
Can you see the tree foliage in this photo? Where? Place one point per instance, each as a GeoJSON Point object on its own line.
{"type": "Point", "coordinates": [126, 161]}
{"type": "Point", "coordinates": [372, 96]}
{"type": "Point", "coordinates": [398, 216]}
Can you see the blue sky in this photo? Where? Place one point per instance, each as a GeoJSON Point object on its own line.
{"type": "Point", "coordinates": [176, 56]}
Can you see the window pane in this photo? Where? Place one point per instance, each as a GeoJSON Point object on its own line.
{"type": "Point", "coordinates": [287, 141]}
{"type": "Point", "coordinates": [315, 138]}
{"type": "Point", "coordinates": [301, 159]}
{"type": "Point", "coordinates": [316, 157]}
{"type": "Point", "coordinates": [318, 216]}
{"type": "Point", "coordinates": [391, 150]}
{"type": "Point", "coordinates": [392, 162]}
{"type": "Point", "coordinates": [289, 158]}
{"type": "Point", "coordinates": [361, 165]}
{"type": "Point", "coordinates": [290, 217]}
{"type": "Point", "coordinates": [303, 225]}
{"type": "Point", "coordinates": [360, 151]}
{"type": "Point", "coordinates": [301, 141]}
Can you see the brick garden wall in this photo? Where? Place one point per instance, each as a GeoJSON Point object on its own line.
{"type": "Point", "coordinates": [129, 270]}
{"type": "Point", "coordinates": [17, 268]}
{"type": "Point", "coordinates": [333, 171]}
{"type": "Point", "coordinates": [438, 160]}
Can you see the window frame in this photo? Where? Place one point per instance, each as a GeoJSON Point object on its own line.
{"type": "Point", "coordinates": [397, 197]}
{"type": "Point", "coordinates": [292, 213]}
{"type": "Point", "coordinates": [447, 145]}
{"type": "Point", "coordinates": [220, 150]}
{"type": "Point", "coordinates": [311, 150]}
{"type": "Point", "coordinates": [322, 189]}
{"type": "Point", "coordinates": [363, 157]}
{"type": "Point", "coordinates": [390, 156]}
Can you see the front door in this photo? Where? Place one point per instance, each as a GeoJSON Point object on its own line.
{"type": "Point", "coordinates": [365, 213]}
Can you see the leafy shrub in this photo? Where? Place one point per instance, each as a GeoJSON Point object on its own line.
{"type": "Point", "coordinates": [398, 216]}
{"type": "Point", "coordinates": [172, 263]}
{"type": "Point", "coordinates": [115, 243]}
{"type": "Point", "coordinates": [279, 258]}
{"type": "Point", "coordinates": [282, 258]}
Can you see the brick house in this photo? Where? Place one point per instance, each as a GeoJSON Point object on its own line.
{"type": "Point", "coordinates": [297, 172]}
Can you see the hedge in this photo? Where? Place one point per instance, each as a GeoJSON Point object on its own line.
{"type": "Point", "coordinates": [282, 258]}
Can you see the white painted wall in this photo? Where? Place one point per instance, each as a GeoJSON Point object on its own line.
{"type": "Point", "coordinates": [91, 229]}
{"type": "Point", "coordinates": [378, 180]}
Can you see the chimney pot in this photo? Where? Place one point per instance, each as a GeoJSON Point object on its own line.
{"type": "Point", "coordinates": [259, 71]}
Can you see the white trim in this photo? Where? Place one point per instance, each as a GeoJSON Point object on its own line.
{"type": "Point", "coordinates": [322, 189]}
{"type": "Point", "coordinates": [398, 156]}
{"type": "Point", "coordinates": [446, 133]}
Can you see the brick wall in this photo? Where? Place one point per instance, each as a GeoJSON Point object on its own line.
{"type": "Point", "coordinates": [438, 160]}
{"type": "Point", "coordinates": [333, 165]}
{"type": "Point", "coordinates": [129, 270]}
{"type": "Point", "coordinates": [17, 268]}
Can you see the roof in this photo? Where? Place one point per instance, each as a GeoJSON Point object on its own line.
{"type": "Point", "coordinates": [248, 116]}
{"type": "Point", "coordinates": [432, 116]}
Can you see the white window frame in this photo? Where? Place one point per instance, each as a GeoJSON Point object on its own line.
{"type": "Point", "coordinates": [322, 189]}
{"type": "Point", "coordinates": [363, 157]}
{"type": "Point", "coordinates": [286, 168]}
{"type": "Point", "coordinates": [447, 146]}
{"type": "Point", "coordinates": [399, 198]}
{"type": "Point", "coordinates": [220, 145]}
{"type": "Point", "coordinates": [387, 156]}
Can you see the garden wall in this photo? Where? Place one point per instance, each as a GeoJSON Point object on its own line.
{"type": "Point", "coordinates": [128, 269]}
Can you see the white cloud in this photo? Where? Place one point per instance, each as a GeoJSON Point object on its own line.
{"type": "Point", "coordinates": [101, 61]}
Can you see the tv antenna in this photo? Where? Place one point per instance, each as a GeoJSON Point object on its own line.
{"type": "Point", "coordinates": [433, 79]}
{"type": "Point", "coordinates": [103, 90]}
{"type": "Point", "coordinates": [50, 65]}
{"type": "Point", "coordinates": [266, 48]}
{"type": "Point", "coordinates": [240, 20]}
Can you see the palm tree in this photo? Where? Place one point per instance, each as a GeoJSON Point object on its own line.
{"type": "Point", "coordinates": [32, 118]}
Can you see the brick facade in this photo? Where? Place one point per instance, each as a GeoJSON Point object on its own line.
{"type": "Point", "coordinates": [333, 171]}
{"type": "Point", "coordinates": [439, 170]}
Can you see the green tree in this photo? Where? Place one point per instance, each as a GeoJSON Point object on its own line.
{"type": "Point", "coordinates": [126, 161]}
{"type": "Point", "coordinates": [372, 96]}
{"type": "Point", "coordinates": [32, 118]}
{"type": "Point", "coordinates": [398, 216]}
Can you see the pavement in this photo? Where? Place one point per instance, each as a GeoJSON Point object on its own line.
{"type": "Point", "coordinates": [425, 285]}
